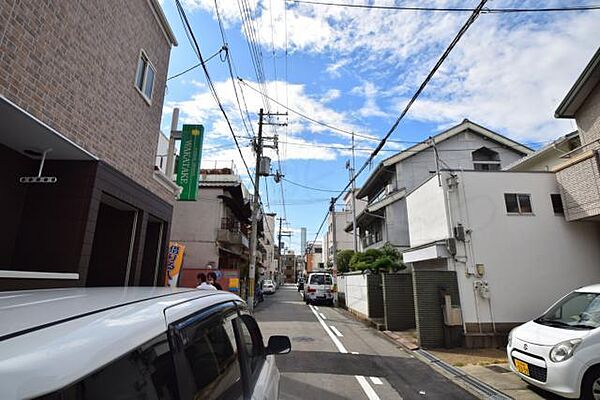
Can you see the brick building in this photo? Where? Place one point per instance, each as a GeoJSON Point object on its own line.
{"type": "Point", "coordinates": [579, 175]}
{"type": "Point", "coordinates": [83, 84]}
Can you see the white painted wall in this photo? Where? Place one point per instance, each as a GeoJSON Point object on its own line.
{"type": "Point", "coordinates": [355, 290]}
{"type": "Point", "coordinates": [427, 214]}
{"type": "Point", "coordinates": [195, 224]}
{"type": "Point", "coordinates": [530, 260]}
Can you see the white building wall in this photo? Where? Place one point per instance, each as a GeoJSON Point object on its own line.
{"type": "Point", "coordinates": [195, 224]}
{"type": "Point", "coordinates": [427, 209]}
{"type": "Point", "coordinates": [529, 261]}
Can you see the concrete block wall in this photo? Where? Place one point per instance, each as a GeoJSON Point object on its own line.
{"type": "Point", "coordinates": [73, 65]}
{"type": "Point", "coordinates": [399, 304]}
{"type": "Point", "coordinates": [428, 304]}
{"type": "Point", "coordinates": [375, 296]}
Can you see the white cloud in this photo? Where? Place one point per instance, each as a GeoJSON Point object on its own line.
{"type": "Point", "coordinates": [509, 71]}
{"type": "Point", "coordinates": [514, 84]}
{"type": "Point", "coordinates": [302, 140]}
{"type": "Point", "coordinates": [330, 95]}
{"type": "Point", "coordinates": [334, 69]}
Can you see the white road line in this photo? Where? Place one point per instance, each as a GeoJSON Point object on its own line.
{"type": "Point", "coordinates": [322, 316]}
{"type": "Point", "coordinates": [316, 308]}
{"type": "Point", "coordinates": [337, 333]}
{"type": "Point", "coordinates": [362, 381]}
{"type": "Point", "coordinates": [371, 394]}
{"type": "Point", "coordinates": [376, 380]}
{"type": "Point", "coordinates": [335, 340]}
{"type": "Point", "coordinates": [355, 352]}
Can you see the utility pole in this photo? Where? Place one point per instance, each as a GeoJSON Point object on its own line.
{"type": "Point", "coordinates": [261, 169]}
{"type": "Point", "coordinates": [353, 188]}
{"type": "Point", "coordinates": [334, 249]}
{"type": "Point", "coordinates": [255, 210]}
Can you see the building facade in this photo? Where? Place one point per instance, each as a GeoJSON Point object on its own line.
{"type": "Point", "coordinates": [81, 92]}
{"type": "Point", "coordinates": [343, 239]}
{"type": "Point", "coordinates": [498, 243]}
{"type": "Point", "coordinates": [466, 146]}
{"type": "Point", "coordinates": [579, 174]}
{"type": "Point", "coordinates": [215, 229]}
{"type": "Point", "coordinates": [314, 257]}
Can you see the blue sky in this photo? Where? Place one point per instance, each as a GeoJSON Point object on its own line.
{"type": "Point", "coordinates": [355, 69]}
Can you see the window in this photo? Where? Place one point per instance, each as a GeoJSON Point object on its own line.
{"type": "Point", "coordinates": [252, 342]}
{"type": "Point", "coordinates": [518, 203]}
{"type": "Point", "coordinates": [557, 204]}
{"type": "Point", "coordinates": [485, 159]}
{"type": "Point", "coordinates": [320, 279]}
{"type": "Point", "coordinates": [144, 77]}
{"type": "Point", "coordinates": [208, 364]}
{"type": "Point", "coordinates": [144, 373]}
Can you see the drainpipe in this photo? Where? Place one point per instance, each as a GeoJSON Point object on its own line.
{"type": "Point", "coordinates": [446, 191]}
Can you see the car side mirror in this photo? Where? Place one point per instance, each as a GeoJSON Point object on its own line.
{"type": "Point", "coordinates": [279, 345]}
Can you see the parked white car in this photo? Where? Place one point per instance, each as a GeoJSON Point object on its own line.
{"type": "Point", "coordinates": [560, 351]}
{"type": "Point", "coordinates": [268, 286]}
{"type": "Point", "coordinates": [319, 288]}
{"type": "Point", "coordinates": [117, 343]}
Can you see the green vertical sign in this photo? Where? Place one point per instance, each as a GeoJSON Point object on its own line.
{"type": "Point", "coordinates": [188, 166]}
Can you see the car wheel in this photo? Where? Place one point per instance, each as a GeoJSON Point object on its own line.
{"type": "Point", "coordinates": [590, 387]}
{"type": "Point", "coordinates": [331, 302]}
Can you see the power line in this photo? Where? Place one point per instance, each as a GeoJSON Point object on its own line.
{"type": "Point", "coordinates": [230, 69]}
{"type": "Point", "coordinates": [430, 75]}
{"type": "Point", "coordinates": [192, 39]}
{"type": "Point", "coordinates": [345, 131]}
{"type": "Point", "coordinates": [303, 115]}
{"type": "Point", "coordinates": [449, 9]}
{"type": "Point", "coordinates": [196, 66]}
{"type": "Point", "coordinates": [310, 187]}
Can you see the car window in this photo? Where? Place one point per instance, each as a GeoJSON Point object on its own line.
{"type": "Point", "coordinates": [144, 373]}
{"type": "Point", "coordinates": [252, 342]}
{"type": "Point", "coordinates": [320, 280]}
{"type": "Point", "coordinates": [211, 368]}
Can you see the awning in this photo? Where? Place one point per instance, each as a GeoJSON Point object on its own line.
{"type": "Point", "coordinates": [24, 133]}
{"type": "Point", "coordinates": [426, 252]}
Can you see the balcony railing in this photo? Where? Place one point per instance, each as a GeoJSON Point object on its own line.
{"type": "Point", "coordinates": [233, 225]}
{"type": "Point", "coordinates": [232, 231]}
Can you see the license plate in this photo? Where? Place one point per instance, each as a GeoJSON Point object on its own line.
{"type": "Point", "coordinates": [522, 367]}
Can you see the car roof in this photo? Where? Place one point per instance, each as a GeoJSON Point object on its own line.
{"type": "Point", "coordinates": [80, 330]}
{"type": "Point", "coordinates": [590, 289]}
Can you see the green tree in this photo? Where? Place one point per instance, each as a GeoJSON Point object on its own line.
{"type": "Point", "coordinates": [388, 258]}
{"type": "Point", "coordinates": [343, 260]}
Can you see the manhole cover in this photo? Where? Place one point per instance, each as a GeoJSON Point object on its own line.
{"type": "Point", "coordinates": [497, 368]}
{"type": "Point", "coordinates": [302, 339]}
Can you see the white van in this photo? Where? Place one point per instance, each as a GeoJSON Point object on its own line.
{"type": "Point", "coordinates": [560, 351]}
{"type": "Point", "coordinates": [319, 288]}
{"type": "Point", "coordinates": [133, 343]}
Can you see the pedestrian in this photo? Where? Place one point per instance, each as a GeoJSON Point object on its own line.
{"type": "Point", "coordinates": [212, 279]}
{"type": "Point", "coordinates": [202, 283]}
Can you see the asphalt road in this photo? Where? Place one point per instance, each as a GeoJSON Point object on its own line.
{"type": "Point", "coordinates": [336, 357]}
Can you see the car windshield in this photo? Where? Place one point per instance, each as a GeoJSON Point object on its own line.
{"type": "Point", "coordinates": [320, 280]}
{"type": "Point", "coordinates": [576, 311]}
